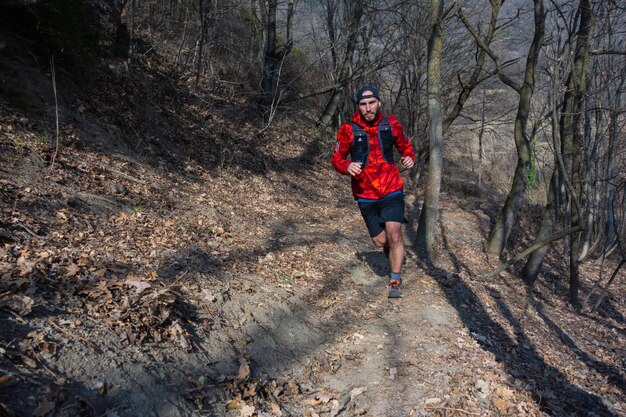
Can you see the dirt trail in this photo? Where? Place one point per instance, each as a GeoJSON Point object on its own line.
{"type": "Point", "coordinates": [283, 314]}
{"type": "Point", "coordinates": [400, 357]}
{"type": "Point", "coordinates": [397, 348]}
{"type": "Point", "coordinates": [314, 315]}
{"type": "Point", "coordinates": [172, 281]}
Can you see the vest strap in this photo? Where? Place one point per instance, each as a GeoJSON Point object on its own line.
{"type": "Point", "coordinates": [361, 144]}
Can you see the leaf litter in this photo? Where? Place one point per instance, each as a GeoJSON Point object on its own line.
{"type": "Point", "coordinates": [109, 259]}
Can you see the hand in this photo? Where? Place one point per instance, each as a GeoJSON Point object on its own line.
{"type": "Point", "coordinates": [354, 168]}
{"type": "Point", "coordinates": [407, 162]}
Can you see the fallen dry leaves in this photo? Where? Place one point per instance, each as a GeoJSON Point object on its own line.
{"type": "Point", "coordinates": [136, 308]}
{"type": "Point", "coordinates": [253, 396]}
{"type": "Point", "coordinates": [118, 243]}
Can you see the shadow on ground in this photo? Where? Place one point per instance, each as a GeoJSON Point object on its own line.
{"type": "Point", "coordinates": [523, 362]}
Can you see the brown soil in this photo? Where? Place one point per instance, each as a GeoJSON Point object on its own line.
{"type": "Point", "coordinates": [173, 263]}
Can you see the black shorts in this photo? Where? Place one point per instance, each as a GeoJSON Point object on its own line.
{"type": "Point", "coordinates": [375, 214]}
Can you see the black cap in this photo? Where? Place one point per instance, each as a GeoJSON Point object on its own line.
{"type": "Point", "coordinates": [374, 93]}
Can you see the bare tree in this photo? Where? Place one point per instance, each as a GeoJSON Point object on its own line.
{"type": "Point", "coordinates": [275, 52]}
{"type": "Point", "coordinates": [477, 75]}
{"type": "Point", "coordinates": [428, 218]}
{"type": "Point", "coordinates": [612, 172]}
{"type": "Point", "coordinates": [504, 223]}
{"type": "Point", "coordinates": [356, 10]}
{"type": "Point", "coordinates": [572, 136]}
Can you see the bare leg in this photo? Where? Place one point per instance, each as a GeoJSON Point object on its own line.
{"type": "Point", "coordinates": [380, 240]}
{"type": "Point", "coordinates": [391, 239]}
{"type": "Point", "coordinates": [393, 232]}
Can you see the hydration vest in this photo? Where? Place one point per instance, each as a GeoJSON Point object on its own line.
{"type": "Point", "coordinates": [361, 144]}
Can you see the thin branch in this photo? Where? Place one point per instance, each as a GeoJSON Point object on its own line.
{"type": "Point", "coordinates": [447, 11]}
{"type": "Point", "coordinates": [531, 249]}
{"type": "Point", "coordinates": [277, 97]}
{"type": "Point", "coordinates": [473, 81]}
{"type": "Point", "coordinates": [606, 287]}
{"type": "Point", "coordinates": [121, 174]}
{"type": "Point", "coordinates": [27, 229]}
{"type": "Point", "coordinates": [460, 410]}
{"type": "Point", "coordinates": [56, 110]}
{"type": "Point", "coordinates": [509, 22]}
{"type": "Point", "coordinates": [607, 52]}
{"type": "Point", "coordinates": [355, 75]}
{"type": "Point", "coordinates": [82, 339]}
{"type": "Point", "coordinates": [496, 60]}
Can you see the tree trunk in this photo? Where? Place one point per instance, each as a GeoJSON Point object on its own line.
{"type": "Point", "coordinates": [331, 107]}
{"type": "Point", "coordinates": [131, 33]}
{"type": "Point", "coordinates": [481, 146]}
{"type": "Point", "coordinates": [202, 39]}
{"type": "Point", "coordinates": [569, 164]}
{"type": "Point", "coordinates": [535, 260]}
{"type": "Point", "coordinates": [271, 57]}
{"type": "Point", "coordinates": [504, 223]}
{"type": "Point", "coordinates": [426, 230]}
{"type": "Point", "coordinates": [331, 10]}
{"type": "Point", "coordinates": [573, 140]}
{"type": "Point", "coordinates": [612, 164]}
{"type": "Point", "coordinates": [591, 186]}
{"type": "Point", "coordinates": [274, 53]}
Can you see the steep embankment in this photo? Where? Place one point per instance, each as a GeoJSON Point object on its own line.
{"type": "Point", "coordinates": [174, 262]}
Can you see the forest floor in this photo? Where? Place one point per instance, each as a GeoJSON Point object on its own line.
{"type": "Point", "coordinates": [202, 269]}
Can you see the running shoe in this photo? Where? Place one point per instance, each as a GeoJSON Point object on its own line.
{"type": "Point", "coordinates": [394, 289]}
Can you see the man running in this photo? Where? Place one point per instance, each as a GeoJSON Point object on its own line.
{"type": "Point", "coordinates": [376, 182]}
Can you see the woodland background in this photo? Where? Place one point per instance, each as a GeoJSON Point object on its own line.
{"type": "Point", "coordinates": [157, 152]}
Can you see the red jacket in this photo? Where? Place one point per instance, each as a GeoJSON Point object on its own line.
{"type": "Point", "coordinates": [379, 178]}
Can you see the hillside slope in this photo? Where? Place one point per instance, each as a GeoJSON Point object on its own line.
{"type": "Point", "coordinates": [167, 259]}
